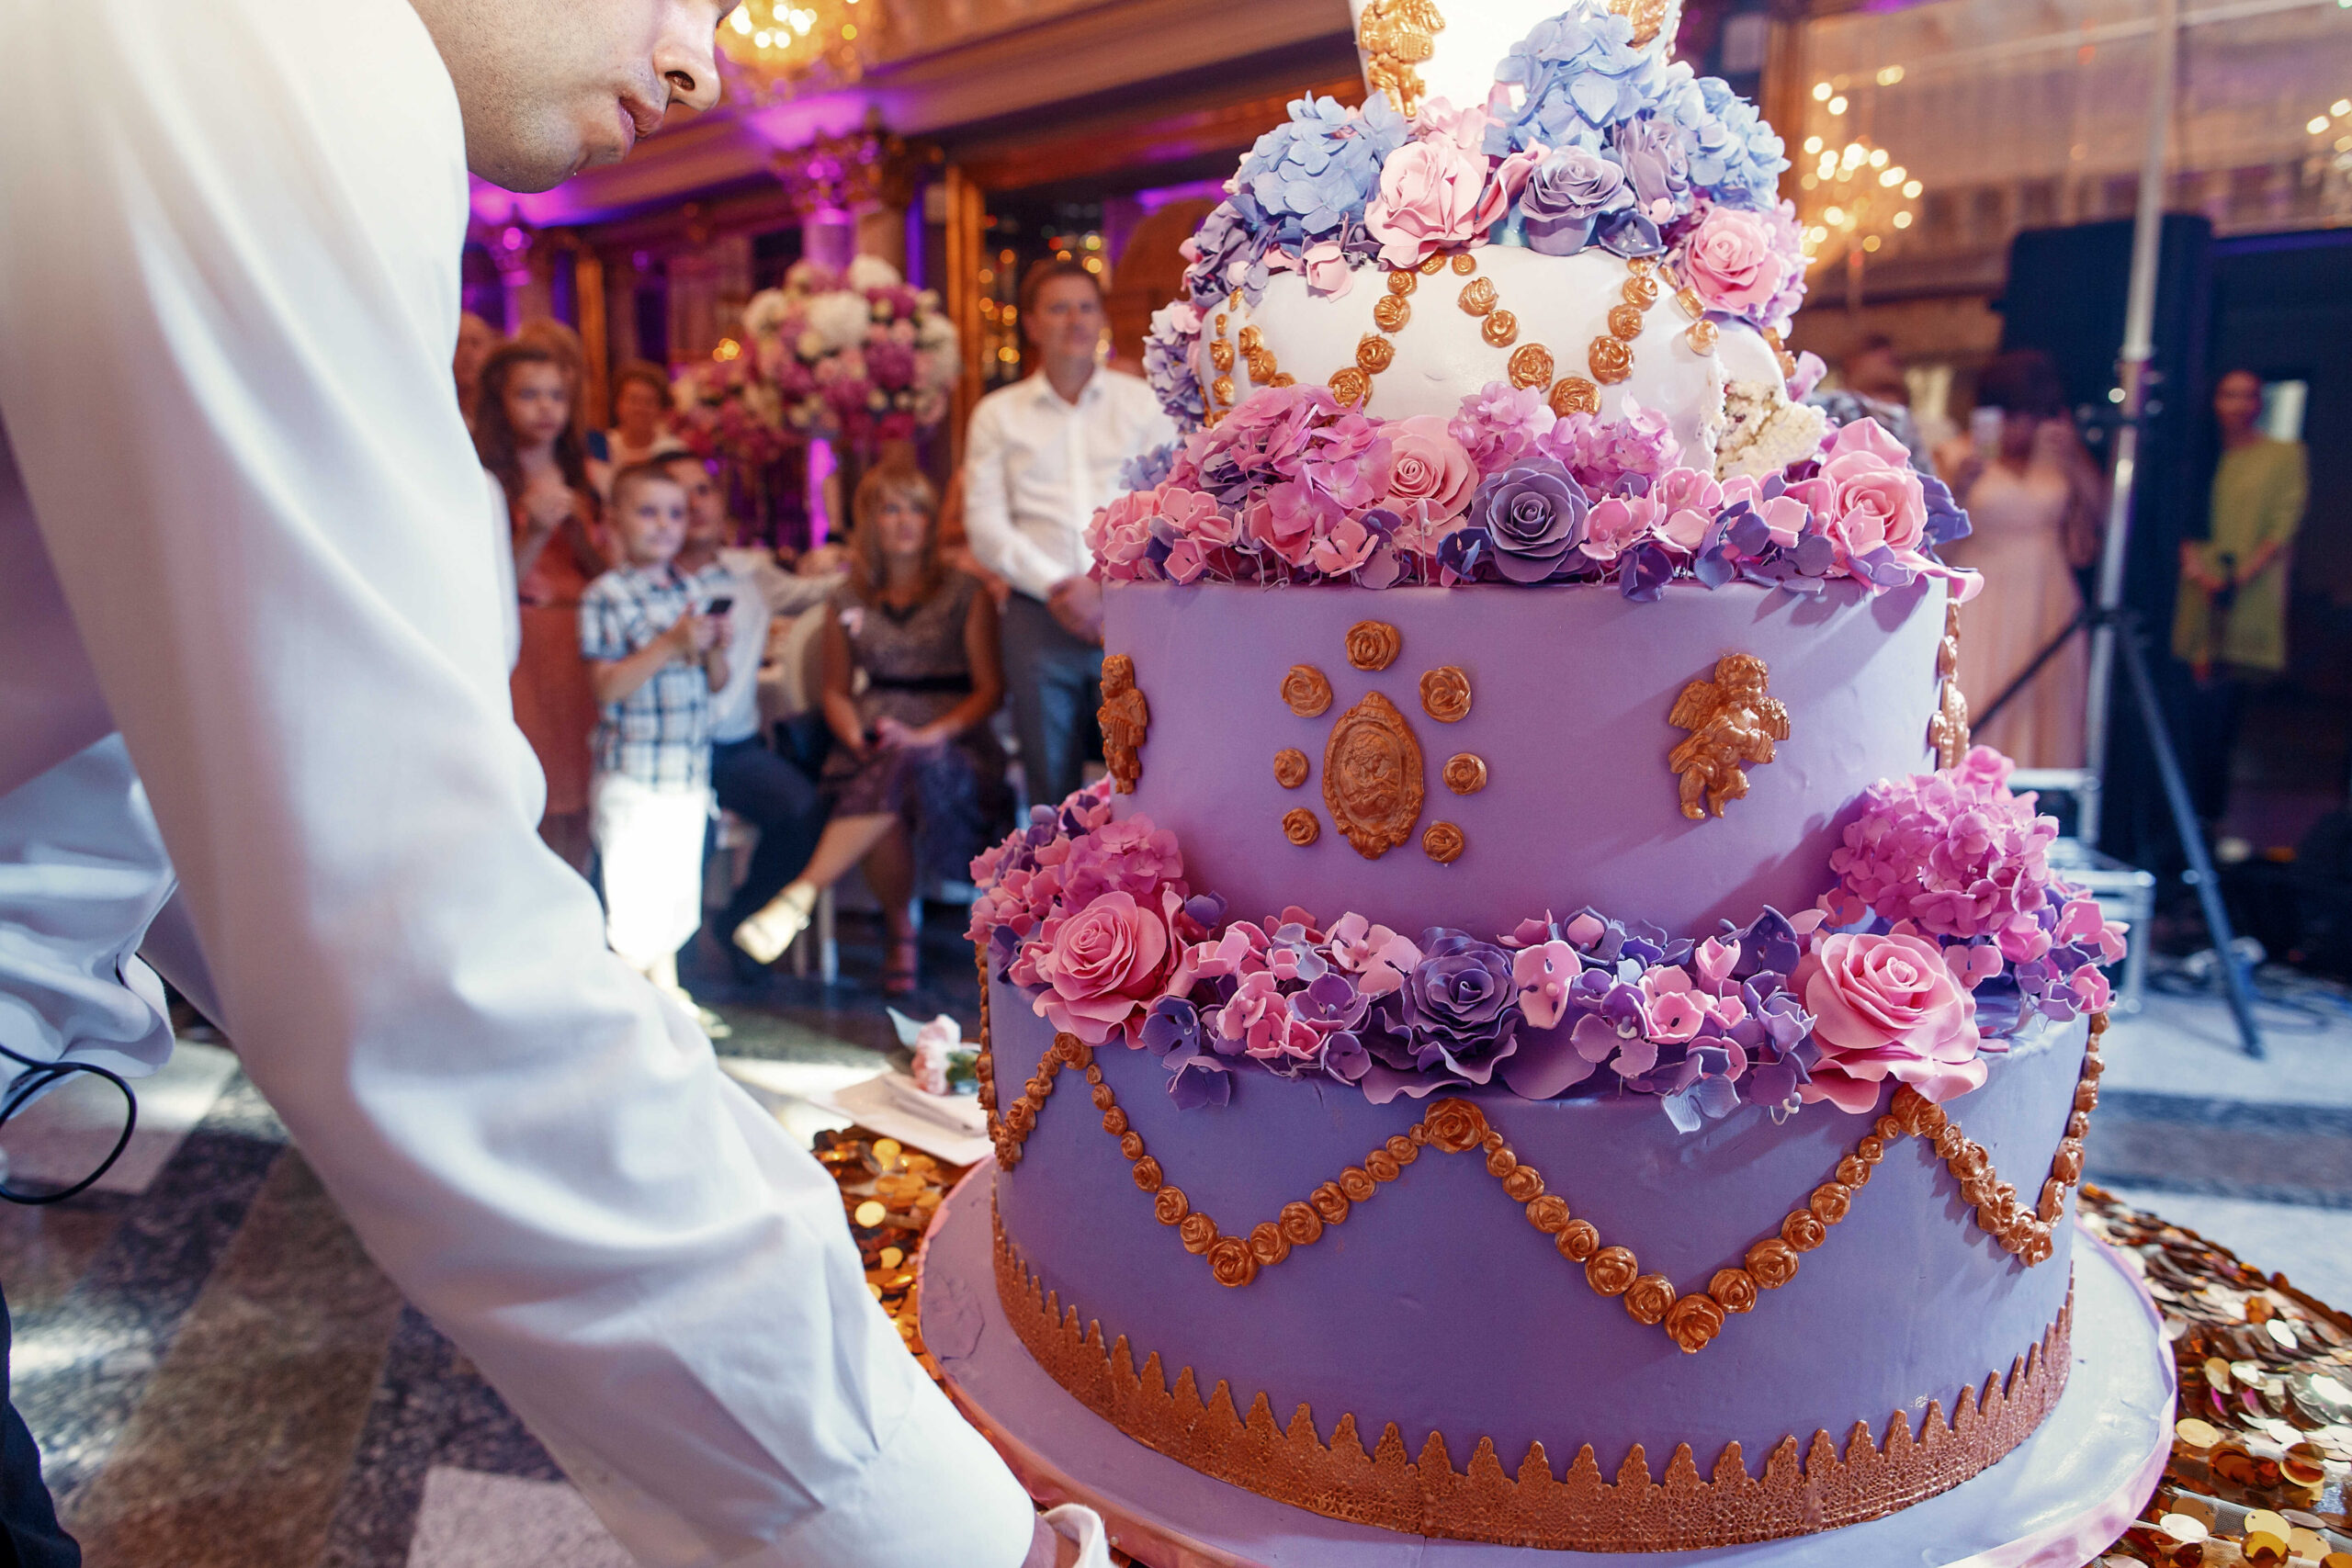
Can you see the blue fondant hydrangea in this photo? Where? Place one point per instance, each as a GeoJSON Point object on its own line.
{"type": "Point", "coordinates": [1312, 176]}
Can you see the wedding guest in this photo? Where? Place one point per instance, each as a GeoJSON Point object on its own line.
{"type": "Point", "coordinates": [2033, 501]}
{"type": "Point", "coordinates": [1041, 455]}
{"type": "Point", "coordinates": [558, 339]}
{"type": "Point", "coordinates": [2230, 620]}
{"type": "Point", "coordinates": [655, 661]}
{"type": "Point", "coordinates": [916, 779]}
{"type": "Point", "coordinates": [641, 414]}
{"type": "Point", "coordinates": [522, 433]}
{"type": "Point", "coordinates": [476, 340]}
{"type": "Point", "coordinates": [748, 777]}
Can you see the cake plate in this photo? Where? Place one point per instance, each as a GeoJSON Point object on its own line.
{"type": "Point", "coordinates": [2054, 1501]}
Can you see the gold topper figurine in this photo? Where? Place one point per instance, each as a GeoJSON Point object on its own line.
{"type": "Point", "coordinates": [1126, 718]}
{"type": "Point", "coordinates": [1731, 721]}
{"type": "Point", "coordinates": [1395, 37]}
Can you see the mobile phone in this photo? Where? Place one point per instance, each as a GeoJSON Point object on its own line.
{"type": "Point", "coordinates": [1984, 432]}
{"type": "Point", "coordinates": [720, 605]}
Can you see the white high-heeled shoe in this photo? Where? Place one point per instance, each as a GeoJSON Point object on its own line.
{"type": "Point", "coordinates": [768, 933]}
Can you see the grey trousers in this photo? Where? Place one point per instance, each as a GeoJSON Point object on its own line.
{"type": "Point", "coordinates": [1055, 683]}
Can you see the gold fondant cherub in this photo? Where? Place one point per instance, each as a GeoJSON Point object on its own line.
{"type": "Point", "coordinates": [1731, 721]}
{"type": "Point", "coordinates": [1126, 718]}
{"type": "Point", "coordinates": [1395, 37]}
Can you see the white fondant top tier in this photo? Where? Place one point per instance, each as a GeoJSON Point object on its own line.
{"type": "Point", "coordinates": [1440, 356]}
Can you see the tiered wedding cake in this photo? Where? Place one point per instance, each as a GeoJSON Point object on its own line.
{"type": "Point", "coordinates": [1528, 1045]}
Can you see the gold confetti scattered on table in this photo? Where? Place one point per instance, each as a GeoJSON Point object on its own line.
{"type": "Point", "coordinates": [2262, 1449]}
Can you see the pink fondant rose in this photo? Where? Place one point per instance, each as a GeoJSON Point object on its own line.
{"type": "Point", "coordinates": [1102, 966]}
{"type": "Point", "coordinates": [1731, 264]}
{"type": "Point", "coordinates": [1426, 464]}
{"type": "Point", "coordinates": [1873, 496]}
{"type": "Point", "coordinates": [1886, 1006]}
{"type": "Point", "coordinates": [1435, 192]}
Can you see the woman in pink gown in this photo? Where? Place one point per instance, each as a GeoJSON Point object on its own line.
{"type": "Point", "coordinates": [2033, 505]}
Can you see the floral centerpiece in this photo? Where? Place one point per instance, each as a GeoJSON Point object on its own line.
{"type": "Point", "coordinates": [1292, 487]}
{"type": "Point", "coordinates": [723, 408]}
{"type": "Point", "coordinates": [1945, 936]}
{"type": "Point", "coordinates": [853, 355]}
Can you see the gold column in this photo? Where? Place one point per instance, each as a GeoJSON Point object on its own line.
{"type": "Point", "coordinates": [588, 297]}
{"type": "Point", "coordinates": [1783, 90]}
{"type": "Point", "coordinates": [965, 231]}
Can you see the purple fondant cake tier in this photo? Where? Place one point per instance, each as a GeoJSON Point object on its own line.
{"type": "Point", "coordinates": [1438, 1306]}
{"type": "Point", "coordinates": [1571, 689]}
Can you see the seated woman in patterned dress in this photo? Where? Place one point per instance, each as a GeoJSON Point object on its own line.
{"type": "Point", "coordinates": [916, 780]}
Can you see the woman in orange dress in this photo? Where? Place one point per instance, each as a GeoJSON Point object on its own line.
{"type": "Point", "coordinates": [523, 430]}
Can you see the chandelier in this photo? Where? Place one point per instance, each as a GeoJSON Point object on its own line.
{"type": "Point", "coordinates": [1856, 198]}
{"type": "Point", "coordinates": [788, 41]}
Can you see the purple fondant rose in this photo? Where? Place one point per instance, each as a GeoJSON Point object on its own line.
{"type": "Point", "coordinates": [1457, 1011]}
{"type": "Point", "coordinates": [1568, 192]}
{"type": "Point", "coordinates": [1655, 166]}
{"type": "Point", "coordinates": [1534, 516]}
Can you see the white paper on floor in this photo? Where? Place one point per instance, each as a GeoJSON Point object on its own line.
{"type": "Point", "coordinates": [469, 1519]}
{"type": "Point", "coordinates": [60, 1137]}
{"type": "Point", "coordinates": [885, 1102]}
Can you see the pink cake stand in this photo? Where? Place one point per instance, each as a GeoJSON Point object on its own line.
{"type": "Point", "coordinates": [2055, 1501]}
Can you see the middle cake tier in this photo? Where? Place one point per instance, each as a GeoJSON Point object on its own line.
{"type": "Point", "coordinates": [1561, 699]}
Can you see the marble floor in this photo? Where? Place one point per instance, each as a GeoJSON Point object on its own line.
{"type": "Point", "coordinates": [219, 1379]}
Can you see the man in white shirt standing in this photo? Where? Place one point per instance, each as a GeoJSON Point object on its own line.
{"type": "Point", "coordinates": [251, 655]}
{"type": "Point", "coordinates": [1041, 457]}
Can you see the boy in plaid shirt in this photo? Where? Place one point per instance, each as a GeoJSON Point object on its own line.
{"type": "Point", "coordinates": [654, 656]}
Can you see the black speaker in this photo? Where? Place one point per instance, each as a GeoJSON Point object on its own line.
{"type": "Point", "coordinates": [2066, 296]}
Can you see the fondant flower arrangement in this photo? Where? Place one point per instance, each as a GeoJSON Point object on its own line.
{"type": "Point", "coordinates": [1293, 488]}
{"type": "Point", "coordinates": [1587, 142]}
{"type": "Point", "coordinates": [1946, 935]}
{"type": "Point", "coordinates": [856, 353]}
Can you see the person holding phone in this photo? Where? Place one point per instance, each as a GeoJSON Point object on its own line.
{"type": "Point", "coordinates": [2034, 503]}
{"type": "Point", "coordinates": [751, 591]}
{"type": "Point", "coordinates": [2230, 618]}
{"type": "Point", "coordinates": [654, 656]}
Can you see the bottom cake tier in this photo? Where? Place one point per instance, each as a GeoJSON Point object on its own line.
{"type": "Point", "coordinates": [1557, 1323]}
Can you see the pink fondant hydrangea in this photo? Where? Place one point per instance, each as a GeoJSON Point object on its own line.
{"type": "Point", "coordinates": [1953, 851]}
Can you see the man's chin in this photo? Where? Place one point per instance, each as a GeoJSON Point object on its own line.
{"type": "Point", "coordinates": [523, 177]}
{"type": "Point", "coordinates": [529, 170]}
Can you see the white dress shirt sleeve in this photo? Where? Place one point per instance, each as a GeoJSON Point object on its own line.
{"type": "Point", "coordinates": [228, 240]}
{"type": "Point", "coordinates": [1001, 545]}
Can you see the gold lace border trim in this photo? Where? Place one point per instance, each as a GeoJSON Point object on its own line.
{"type": "Point", "coordinates": [1581, 1510]}
{"type": "Point", "coordinates": [1690, 1318]}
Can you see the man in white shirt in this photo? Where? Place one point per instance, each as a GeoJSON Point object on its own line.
{"type": "Point", "coordinates": [250, 650]}
{"type": "Point", "coordinates": [1040, 458]}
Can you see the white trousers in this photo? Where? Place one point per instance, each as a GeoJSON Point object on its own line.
{"type": "Point", "coordinates": [650, 841]}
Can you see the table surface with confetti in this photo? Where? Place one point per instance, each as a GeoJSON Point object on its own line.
{"type": "Point", "coordinates": [2262, 1453]}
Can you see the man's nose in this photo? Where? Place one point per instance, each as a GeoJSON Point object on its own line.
{"type": "Point", "coordinates": [685, 54]}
